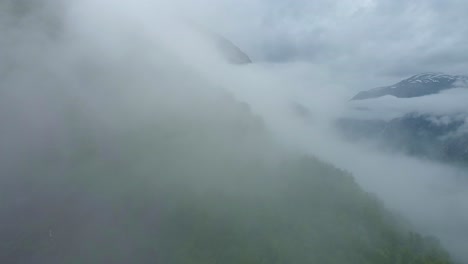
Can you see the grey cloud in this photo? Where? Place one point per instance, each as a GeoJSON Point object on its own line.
{"type": "Point", "coordinates": [381, 37]}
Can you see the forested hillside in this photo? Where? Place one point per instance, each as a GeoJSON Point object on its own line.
{"type": "Point", "coordinates": [207, 189]}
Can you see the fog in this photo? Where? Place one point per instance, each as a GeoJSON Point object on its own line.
{"type": "Point", "coordinates": [431, 195]}
{"type": "Point", "coordinates": [84, 72]}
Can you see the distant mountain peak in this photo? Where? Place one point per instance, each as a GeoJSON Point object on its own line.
{"type": "Point", "coordinates": [230, 51]}
{"type": "Point", "coordinates": [418, 85]}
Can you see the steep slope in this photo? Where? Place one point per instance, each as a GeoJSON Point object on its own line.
{"type": "Point", "coordinates": [232, 52]}
{"type": "Point", "coordinates": [206, 186]}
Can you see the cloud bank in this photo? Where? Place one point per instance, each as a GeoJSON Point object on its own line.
{"type": "Point", "coordinates": [100, 57]}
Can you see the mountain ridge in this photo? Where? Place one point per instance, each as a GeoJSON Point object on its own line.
{"type": "Point", "coordinates": [416, 127]}
{"type": "Point", "coordinates": [417, 85]}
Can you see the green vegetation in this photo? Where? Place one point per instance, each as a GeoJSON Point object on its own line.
{"type": "Point", "coordinates": [316, 214]}
{"type": "Point", "coordinates": [185, 193]}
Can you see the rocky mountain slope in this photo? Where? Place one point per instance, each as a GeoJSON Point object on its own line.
{"type": "Point", "coordinates": [425, 115]}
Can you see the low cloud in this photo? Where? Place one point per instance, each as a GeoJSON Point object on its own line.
{"type": "Point", "coordinates": [99, 58]}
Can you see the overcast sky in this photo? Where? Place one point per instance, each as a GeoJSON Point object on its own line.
{"type": "Point", "coordinates": [391, 39]}
{"type": "Point", "coordinates": [366, 43]}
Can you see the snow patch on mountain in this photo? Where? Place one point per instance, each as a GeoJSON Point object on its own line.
{"type": "Point", "coordinates": [416, 86]}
